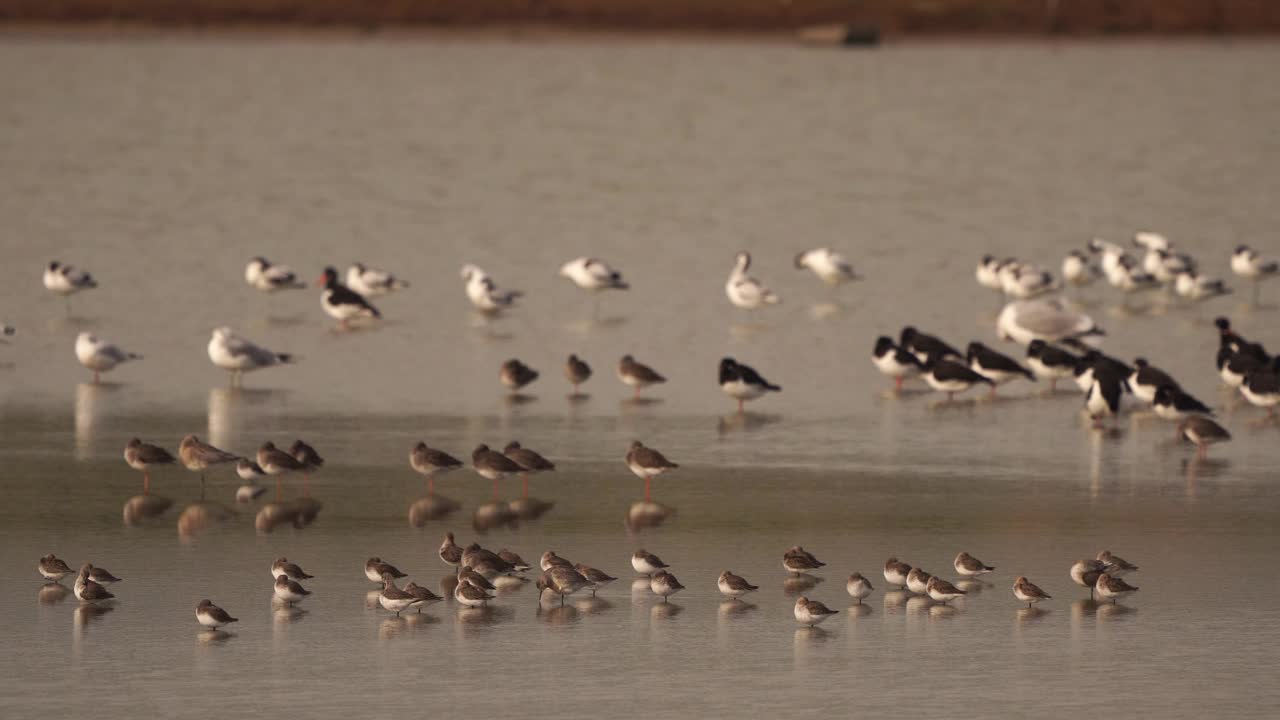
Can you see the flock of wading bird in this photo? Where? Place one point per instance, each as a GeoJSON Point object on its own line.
{"type": "Point", "coordinates": [1057, 336]}
{"type": "Point", "coordinates": [479, 572]}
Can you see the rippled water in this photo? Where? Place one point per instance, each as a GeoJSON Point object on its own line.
{"type": "Point", "coordinates": [162, 163]}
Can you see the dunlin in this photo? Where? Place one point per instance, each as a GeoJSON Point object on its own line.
{"type": "Point", "coordinates": [562, 581]}
{"type": "Point", "coordinates": [450, 552]}
{"type": "Point", "coordinates": [918, 581]}
{"type": "Point", "coordinates": [1113, 588]}
{"type": "Point", "coordinates": [375, 568]}
{"type": "Point", "coordinates": [422, 597]}
{"type": "Point", "coordinates": [513, 558]}
{"type": "Point", "coordinates": [87, 590]}
{"type": "Point", "coordinates": [942, 591]}
{"type": "Point", "coordinates": [282, 566]}
{"type": "Point", "coordinates": [859, 587]}
{"type": "Point", "coordinates": [1114, 565]}
{"type": "Point", "coordinates": [1085, 573]}
{"type": "Point", "coordinates": [549, 560]}
{"type": "Point", "coordinates": [51, 568]}
{"type": "Point", "coordinates": [665, 584]}
{"type": "Point", "coordinates": [212, 616]}
{"type": "Point", "coordinates": [393, 598]}
{"type": "Point", "coordinates": [646, 563]}
{"type": "Point", "coordinates": [1028, 593]}
{"type": "Point", "coordinates": [895, 572]}
{"type": "Point", "coordinates": [970, 566]}
{"type": "Point", "coordinates": [289, 591]}
{"type": "Point", "coordinates": [734, 586]}
{"type": "Point", "coordinates": [470, 595]}
{"type": "Point", "coordinates": [597, 578]}
{"type": "Point", "coordinates": [796, 560]}
{"type": "Point", "coordinates": [811, 612]}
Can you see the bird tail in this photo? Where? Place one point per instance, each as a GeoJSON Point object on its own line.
{"type": "Point", "coordinates": [399, 285]}
{"type": "Point", "coordinates": [373, 312]}
{"type": "Point", "coordinates": [775, 388]}
{"type": "Point", "coordinates": [772, 299]}
{"type": "Point", "coordinates": [620, 285]}
{"type": "Point", "coordinates": [1270, 268]}
{"type": "Point", "coordinates": [284, 358]}
{"type": "Point", "coordinates": [296, 285]}
{"type": "Point", "coordinates": [89, 282]}
{"type": "Point", "coordinates": [132, 356]}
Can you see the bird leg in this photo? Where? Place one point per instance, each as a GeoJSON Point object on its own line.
{"type": "Point", "coordinates": [646, 488]}
{"type": "Point", "coordinates": [306, 484]}
{"type": "Point", "coordinates": [146, 482]}
{"type": "Point", "coordinates": [1202, 452]}
{"type": "Point", "coordinates": [202, 486]}
{"type": "Point", "coordinates": [637, 394]}
{"type": "Point", "coordinates": [740, 408]}
{"type": "Point", "coordinates": [431, 490]}
{"type": "Point", "coordinates": [1053, 385]}
{"type": "Point", "coordinates": [495, 489]}
{"type": "Point", "coordinates": [95, 377]}
{"type": "Point", "coordinates": [524, 485]}
{"type": "Point", "coordinates": [897, 383]}
{"type": "Point", "coordinates": [279, 489]}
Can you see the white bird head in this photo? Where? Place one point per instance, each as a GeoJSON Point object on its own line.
{"type": "Point", "coordinates": [471, 272]}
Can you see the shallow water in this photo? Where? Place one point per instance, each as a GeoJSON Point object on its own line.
{"type": "Point", "coordinates": [162, 163]}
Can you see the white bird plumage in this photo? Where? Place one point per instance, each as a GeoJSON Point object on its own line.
{"type": "Point", "coordinates": [592, 274]}
{"type": "Point", "coordinates": [484, 293]}
{"type": "Point", "coordinates": [99, 355]}
{"type": "Point", "coordinates": [237, 355]}
{"type": "Point", "coordinates": [744, 290]}
{"type": "Point", "coordinates": [260, 274]}
{"type": "Point", "coordinates": [831, 267]}
{"type": "Point", "coordinates": [371, 281]}
{"type": "Point", "coordinates": [66, 280]}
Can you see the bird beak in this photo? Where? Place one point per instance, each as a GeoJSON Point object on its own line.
{"type": "Point", "coordinates": [320, 282]}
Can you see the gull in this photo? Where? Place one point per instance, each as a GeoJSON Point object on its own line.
{"type": "Point", "coordinates": [858, 587]}
{"type": "Point", "coordinates": [484, 294]}
{"type": "Point", "coordinates": [99, 355]}
{"type": "Point", "coordinates": [212, 616]}
{"type": "Point", "coordinates": [744, 290]}
{"type": "Point", "coordinates": [141, 456]}
{"type": "Point", "coordinates": [65, 280]}
{"type": "Point", "coordinates": [1025, 280]}
{"type": "Point", "coordinates": [733, 585]}
{"type": "Point", "coordinates": [1047, 319]}
{"type": "Point", "coordinates": [1250, 265]}
{"type": "Point", "coordinates": [341, 302]}
{"type": "Point", "coordinates": [237, 355]}
{"type": "Point", "coordinates": [1193, 286]}
{"type": "Point", "coordinates": [830, 266]}
{"type": "Point", "coordinates": [371, 281]}
{"type": "Point", "coordinates": [988, 271]}
{"type": "Point", "coordinates": [1028, 593]}
{"type": "Point", "coordinates": [811, 612]}
{"type": "Point", "coordinates": [592, 274]}
{"type": "Point", "coordinates": [1077, 270]}
{"type": "Point", "coordinates": [262, 275]}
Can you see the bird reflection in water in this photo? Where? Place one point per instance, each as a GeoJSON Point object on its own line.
{"type": "Point", "coordinates": [1111, 611]}
{"type": "Point", "coordinates": [665, 610]}
{"type": "Point", "coordinates": [88, 411]}
{"type": "Point", "coordinates": [506, 584]}
{"type": "Point", "coordinates": [140, 508]}
{"type": "Point", "coordinates": [809, 634]}
{"type": "Point", "coordinates": [734, 608]}
{"type": "Point", "coordinates": [228, 405]}
{"type": "Point", "coordinates": [896, 600]}
{"type": "Point", "coordinates": [859, 610]}
{"type": "Point", "coordinates": [938, 611]}
{"type": "Point", "coordinates": [200, 516]}
{"type": "Point", "coordinates": [1083, 608]}
{"type": "Point", "coordinates": [90, 613]}
{"type": "Point", "coordinates": [592, 605]}
{"type": "Point", "coordinates": [918, 604]}
{"type": "Point", "coordinates": [646, 514]}
{"type": "Point", "coordinates": [516, 399]}
{"type": "Point", "coordinates": [487, 615]}
{"type": "Point", "coordinates": [432, 507]}
{"type": "Point", "coordinates": [448, 584]}
{"type": "Point", "coordinates": [558, 615]}
{"type": "Point", "coordinates": [798, 583]}
{"type": "Point", "coordinates": [283, 614]}
{"type": "Point", "coordinates": [210, 636]}
{"type": "Point", "coordinates": [299, 513]}
{"type": "Point", "coordinates": [530, 508]}
{"type": "Point", "coordinates": [745, 422]}
{"type": "Point", "coordinates": [52, 593]}
{"type": "Point", "coordinates": [972, 587]}
{"type": "Point", "coordinates": [493, 515]}
{"type": "Point", "coordinates": [392, 627]}
{"type": "Point", "coordinates": [1031, 614]}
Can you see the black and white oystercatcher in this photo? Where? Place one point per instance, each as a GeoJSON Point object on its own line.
{"type": "Point", "coordinates": [341, 302]}
{"type": "Point", "coordinates": [899, 364]}
{"type": "Point", "coordinates": [742, 382]}
{"type": "Point", "coordinates": [1050, 362]}
{"type": "Point", "coordinates": [994, 366]}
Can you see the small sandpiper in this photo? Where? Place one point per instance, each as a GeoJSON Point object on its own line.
{"type": "Point", "coordinates": [796, 560]}
{"type": "Point", "coordinates": [1113, 588]}
{"type": "Point", "coordinates": [1028, 593]}
{"type": "Point", "coordinates": [51, 568]}
{"type": "Point", "coordinates": [475, 578]}
{"type": "Point", "coordinates": [646, 563]}
{"type": "Point", "coordinates": [1085, 573]}
{"type": "Point", "coordinates": [431, 462]}
{"type": "Point", "coordinates": [734, 586]}
{"type": "Point", "coordinates": [309, 459]}
{"type": "Point", "coordinates": [1203, 432]}
{"type": "Point", "coordinates": [918, 581]}
{"type": "Point", "coordinates": [197, 456]}
{"type": "Point", "coordinates": [250, 472]}
{"type": "Point", "coordinates": [450, 552]}
{"type": "Point", "coordinates": [422, 597]}
{"type": "Point", "coordinates": [1114, 565]}
{"type": "Point", "coordinates": [513, 558]}
{"type": "Point", "coordinates": [470, 595]}
{"type": "Point", "coordinates": [141, 456]}
{"type": "Point", "coordinates": [393, 598]}
{"type": "Point", "coordinates": [87, 590]}
{"type": "Point", "coordinates": [942, 591]}
{"type": "Point", "coordinates": [811, 612]}
{"type": "Point", "coordinates": [895, 573]}
{"type": "Point", "coordinates": [576, 372]}
{"type": "Point", "coordinates": [282, 566]}
{"type": "Point", "coordinates": [562, 581]}
{"type": "Point", "coordinates": [647, 463]}
{"type": "Point", "coordinates": [549, 560]}
{"type": "Point", "coordinates": [859, 587]}
{"type": "Point", "coordinates": [492, 465]}
{"type": "Point", "coordinates": [529, 461]}
{"type": "Point", "coordinates": [597, 578]}
{"type": "Point", "coordinates": [665, 584]}
{"type": "Point", "coordinates": [970, 566]}
{"type": "Point", "coordinates": [515, 374]}
{"type": "Point", "coordinates": [212, 616]}
{"type": "Point", "coordinates": [637, 375]}
{"type": "Point", "coordinates": [276, 462]}
{"type": "Point", "coordinates": [289, 591]}
{"type": "Point", "coordinates": [102, 576]}
{"type": "Point", "coordinates": [375, 568]}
